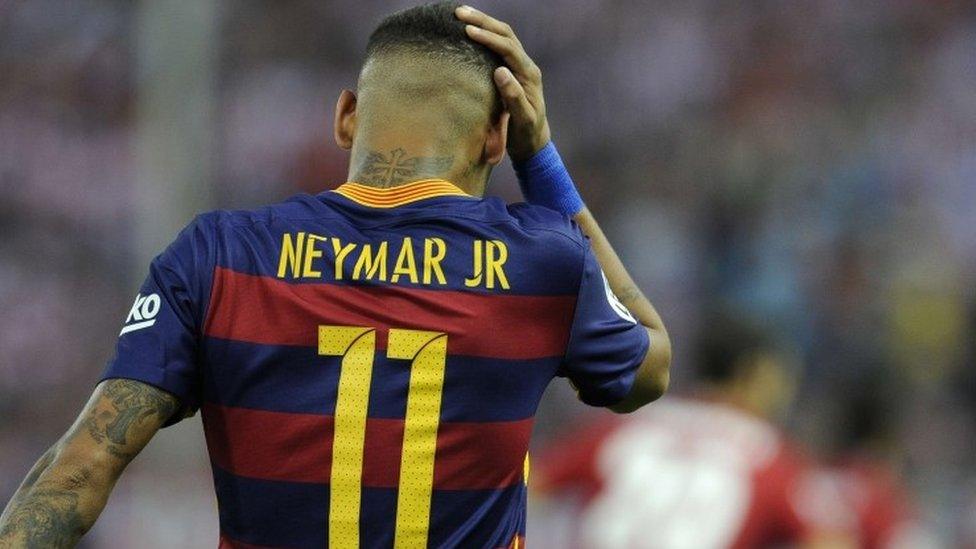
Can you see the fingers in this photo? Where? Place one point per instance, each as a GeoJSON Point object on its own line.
{"type": "Point", "coordinates": [519, 83]}
{"type": "Point", "coordinates": [510, 50]}
{"type": "Point", "coordinates": [484, 21]}
{"type": "Point", "coordinates": [499, 37]}
{"type": "Point", "coordinates": [513, 95]}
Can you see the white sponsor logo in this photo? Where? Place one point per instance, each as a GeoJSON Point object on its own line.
{"type": "Point", "coordinates": [615, 303]}
{"type": "Point", "coordinates": [142, 314]}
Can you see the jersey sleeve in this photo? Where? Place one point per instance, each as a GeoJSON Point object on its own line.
{"type": "Point", "coordinates": [606, 344]}
{"type": "Point", "coordinates": [159, 339]}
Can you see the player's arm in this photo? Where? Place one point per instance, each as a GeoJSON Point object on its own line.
{"type": "Point", "coordinates": [69, 485]}
{"type": "Point", "coordinates": [529, 136]}
{"type": "Point", "coordinates": [654, 374]}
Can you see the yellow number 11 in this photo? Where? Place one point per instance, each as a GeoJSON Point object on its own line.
{"type": "Point", "coordinates": [427, 352]}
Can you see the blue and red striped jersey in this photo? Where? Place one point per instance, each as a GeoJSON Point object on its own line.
{"type": "Point", "coordinates": [368, 362]}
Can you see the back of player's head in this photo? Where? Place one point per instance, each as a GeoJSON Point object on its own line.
{"type": "Point", "coordinates": [431, 31]}
{"type": "Point", "coordinates": [729, 344]}
{"type": "Point", "coordinates": [869, 412]}
{"type": "Point", "coordinates": [420, 55]}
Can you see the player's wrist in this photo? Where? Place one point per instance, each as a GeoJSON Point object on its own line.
{"type": "Point", "coordinates": [545, 181]}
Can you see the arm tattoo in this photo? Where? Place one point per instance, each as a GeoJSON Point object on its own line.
{"type": "Point", "coordinates": [132, 403]}
{"type": "Point", "coordinates": [32, 476]}
{"type": "Point", "coordinates": [629, 294]}
{"type": "Point", "coordinates": [45, 513]}
{"type": "Point", "coordinates": [48, 517]}
{"type": "Point", "coordinates": [59, 499]}
{"type": "Point", "coordinates": [388, 170]}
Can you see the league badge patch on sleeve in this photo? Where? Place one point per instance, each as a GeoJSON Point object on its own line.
{"type": "Point", "coordinates": [615, 303]}
{"type": "Point", "coordinates": [142, 314]}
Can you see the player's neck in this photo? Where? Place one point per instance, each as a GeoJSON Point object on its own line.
{"type": "Point", "coordinates": [389, 164]}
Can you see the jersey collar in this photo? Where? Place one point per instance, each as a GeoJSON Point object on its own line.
{"type": "Point", "coordinates": [392, 197]}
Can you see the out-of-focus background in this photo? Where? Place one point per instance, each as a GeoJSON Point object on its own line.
{"type": "Point", "coordinates": [812, 162]}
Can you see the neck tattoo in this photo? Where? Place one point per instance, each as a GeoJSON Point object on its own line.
{"type": "Point", "coordinates": [387, 170]}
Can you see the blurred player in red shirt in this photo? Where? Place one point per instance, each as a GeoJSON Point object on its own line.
{"type": "Point", "coordinates": [868, 479]}
{"type": "Point", "coordinates": [703, 472]}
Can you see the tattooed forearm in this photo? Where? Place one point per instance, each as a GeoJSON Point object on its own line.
{"type": "Point", "coordinates": [32, 476]}
{"type": "Point", "coordinates": [68, 487]}
{"type": "Point", "coordinates": [387, 170]}
{"type": "Point", "coordinates": [46, 517]}
{"type": "Point", "coordinates": [45, 513]}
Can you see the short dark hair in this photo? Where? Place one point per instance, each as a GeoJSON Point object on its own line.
{"type": "Point", "coordinates": [726, 343]}
{"type": "Point", "coordinates": [432, 31]}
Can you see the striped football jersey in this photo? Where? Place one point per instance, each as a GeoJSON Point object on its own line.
{"type": "Point", "coordinates": [368, 362]}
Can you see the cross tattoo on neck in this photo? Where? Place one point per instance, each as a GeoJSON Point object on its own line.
{"type": "Point", "coordinates": [387, 170]}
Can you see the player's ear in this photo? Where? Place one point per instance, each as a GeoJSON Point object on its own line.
{"type": "Point", "coordinates": [496, 140]}
{"type": "Point", "coordinates": [344, 126]}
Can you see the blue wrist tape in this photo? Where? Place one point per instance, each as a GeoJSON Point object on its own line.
{"type": "Point", "coordinates": [545, 182]}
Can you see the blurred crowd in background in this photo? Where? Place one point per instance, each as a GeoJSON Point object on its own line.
{"type": "Point", "coordinates": [812, 163]}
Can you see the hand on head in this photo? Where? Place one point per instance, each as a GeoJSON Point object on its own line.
{"type": "Point", "coordinates": [519, 83]}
